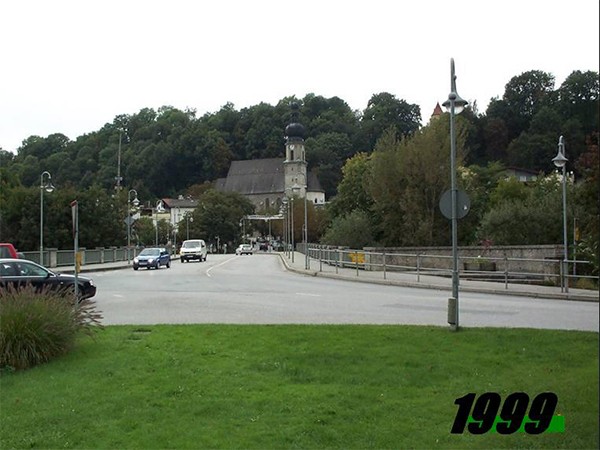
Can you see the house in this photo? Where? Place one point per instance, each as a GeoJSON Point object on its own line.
{"type": "Point", "coordinates": [179, 207]}
{"type": "Point", "coordinates": [521, 174]}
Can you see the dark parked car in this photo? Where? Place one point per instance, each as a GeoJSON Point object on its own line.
{"type": "Point", "coordinates": [152, 257]}
{"type": "Point", "coordinates": [21, 272]}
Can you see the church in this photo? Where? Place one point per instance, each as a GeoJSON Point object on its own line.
{"type": "Point", "coordinates": [266, 182]}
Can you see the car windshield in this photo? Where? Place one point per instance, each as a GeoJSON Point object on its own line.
{"type": "Point", "coordinates": [150, 252]}
{"type": "Point", "coordinates": [188, 244]}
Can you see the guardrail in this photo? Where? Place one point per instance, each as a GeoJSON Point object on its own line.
{"type": "Point", "coordinates": [506, 270]}
{"type": "Point", "coordinates": [52, 257]}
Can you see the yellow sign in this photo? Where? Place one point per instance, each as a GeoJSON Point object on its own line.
{"type": "Point", "coordinates": [357, 257]}
{"type": "Point", "coordinates": [78, 258]}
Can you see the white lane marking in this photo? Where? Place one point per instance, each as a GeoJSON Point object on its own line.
{"type": "Point", "coordinates": [218, 265]}
{"type": "Point", "coordinates": [308, 295]}
{"type": "Point", "coordinates": [118, 295]}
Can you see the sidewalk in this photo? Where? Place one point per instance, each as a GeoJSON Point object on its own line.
{"type": "Point", "coordinates": [407, 279]}
{"type": "Point", "coordinates": [411, 279]}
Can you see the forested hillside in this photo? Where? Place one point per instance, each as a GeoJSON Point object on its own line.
{"type": "Point", "coordinates": [169, 152]}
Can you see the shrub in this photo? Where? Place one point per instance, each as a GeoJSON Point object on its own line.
{"type": "Point", "coordinates": [36, 327]}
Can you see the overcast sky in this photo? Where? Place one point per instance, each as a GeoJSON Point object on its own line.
{"type": "Point", "coordinates": [72, 66]}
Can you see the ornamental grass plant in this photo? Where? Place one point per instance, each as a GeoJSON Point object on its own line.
{"type": "Point", "coordinates": [38, 326]}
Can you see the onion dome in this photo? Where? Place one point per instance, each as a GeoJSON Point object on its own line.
{"type": "Point", "coordinates": [295, 129]}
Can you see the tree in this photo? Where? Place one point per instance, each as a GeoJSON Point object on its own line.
{"type": "Point", "coordinates": [525, 216]}
{"type": "Point", "coordinates": [578, 99]}
{"type": "Point", "coordinates": [353, 190]}
{"type": "Point", "coordinates": [384, 111]}
{"type": "Point", "coordinates": [524, 95]}
{"type": "Point", "coordinates": [353, 230]}
{"type": "Point", "coordinates": [219, 214]}
{"type": "Point", "coordinates": [324, 156]}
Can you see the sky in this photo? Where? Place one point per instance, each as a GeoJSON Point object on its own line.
{"type": "Point", "coordinates": [72, 66]}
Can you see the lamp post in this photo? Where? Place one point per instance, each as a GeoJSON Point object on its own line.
{"type": "Point", "coordinates": [560, 161]}
{"type": "Point", "coordinates": [454, 105]}
{"type": "Point", "coordinates": [292, 249]}
{"type": "Point", "coordinates": [136, 202]}
{"type": "Point", "coordinates": [286, 223]}
{"type": "Point", "coordinates": [306, 258]}
{"type": "Point", "coordinates": [159, 209]}
{"type": "Point", "coordinates": [48, 187]}
{"type": "Point", "coordinates": [188, 219]}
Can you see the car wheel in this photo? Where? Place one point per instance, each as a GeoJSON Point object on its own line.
{"type": "Point", "coordinates": [168, 264]}
{"type": "Point", "coordinates": [157, 265]}
{"type": "Point", "coordinates": [135, 267]}
{"type": "Point", "coordinates": [182, 260]}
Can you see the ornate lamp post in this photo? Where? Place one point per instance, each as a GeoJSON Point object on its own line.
{"type": "Point", "coordinates": [48, 187]}
{"type": "Point", "coordinates": [136, 203]}
{"type": "Point", "coordinates": [188, 219]}
{"type": "Point", "coordinates": [286, 220]}
{"type": "Point", "coordinates": [454, 105]}
{"type": "Point", "coordinates": [293, 248]}
{"type": "Point", "coordinates": [560, 161]}
{"type": "Point", "coordinates": [159, 209]}
{"type": "Point", "coordinates": [306, 258]}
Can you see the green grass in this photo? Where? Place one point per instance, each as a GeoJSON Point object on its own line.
{"type": "Point", "coordinates": [225, 386]}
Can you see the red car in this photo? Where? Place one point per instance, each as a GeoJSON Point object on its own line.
{"type": "Point", "coordinates": [8, 251]}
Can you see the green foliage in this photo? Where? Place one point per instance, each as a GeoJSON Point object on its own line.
{"type": "Point", "coordinates": [219, 214]}
{"type": "Point", "coordinates": [508, 190]}
{"type": "Point", "coordinates": [516, 222]}
{"type": "Point", "coordinates": [37, 327]}
{"type": "Point", "coordinates": [353, 230]}
{"type": "Point", "coordinates": [353, 189]}
{"type": "Point", "coordinates": [385, 111]}
{"type": "Point", "coordinates": [166, 152]}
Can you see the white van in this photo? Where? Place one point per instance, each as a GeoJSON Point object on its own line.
{"type": "Point", "coordinates": [193, 249]}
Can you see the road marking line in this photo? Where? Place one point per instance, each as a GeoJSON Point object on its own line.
{"type": "Point", "coordinates": [218, 265]}
{"type": "Point", "coordinates": [308, 295]}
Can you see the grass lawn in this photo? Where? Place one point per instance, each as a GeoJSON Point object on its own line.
{"type": "Point", "coordinates": [295, 386]}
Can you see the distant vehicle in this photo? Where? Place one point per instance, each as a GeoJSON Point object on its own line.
{"type": "Point", "coordinates": [9, 251]}
{"type": "Point", "coordinates": [18, 273]}
{"type": "Point", "coordinates": [152, 257]}
{"type": "Point", "coordinates": [244, 249]}
{"type": "Point", "coordinates": [193, 249]}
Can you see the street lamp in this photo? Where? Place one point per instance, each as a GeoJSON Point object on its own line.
{"type": "Point", "coordinates": [286, 223]}
{"type": "Point", "coordinates": [454, 105]}
{"type": "Point", "coordinates": [188, 219]}
{"type": "Point", "coordinates": [136, 203]}
{"type": "Point", "coordinates": [306, 258]}
{"type": "Point", "coordinates": [560, 161]}
{"type": "Point", "coordinates": [159, 209]}
{"type": "Point", "coordinates": [48, 187]}
{"type": "Point", "coordinates": [293, 248]}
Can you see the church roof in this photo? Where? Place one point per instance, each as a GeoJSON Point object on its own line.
{"type": "Point", "coordinates": [260, 176]}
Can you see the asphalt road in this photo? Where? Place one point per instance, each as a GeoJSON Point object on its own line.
{"type": "Point", "coordinates": [257, 289]}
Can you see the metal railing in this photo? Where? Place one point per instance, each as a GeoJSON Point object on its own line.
{"type": "Point", "coordinates": [59, 258]}
{"type": "Point", "coordinates": [507, 270]}
{"type": "Point", "coordinates": [503, 270]}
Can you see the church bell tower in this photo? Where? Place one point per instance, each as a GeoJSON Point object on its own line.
{"type": "Point", "coordinates": [295, 172]}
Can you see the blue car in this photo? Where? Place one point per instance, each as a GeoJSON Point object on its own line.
{"type": "Point", "coordinates": [152, 257]}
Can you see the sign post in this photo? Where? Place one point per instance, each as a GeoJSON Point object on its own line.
{"type": "Point", "coordinates": [75, 216]}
